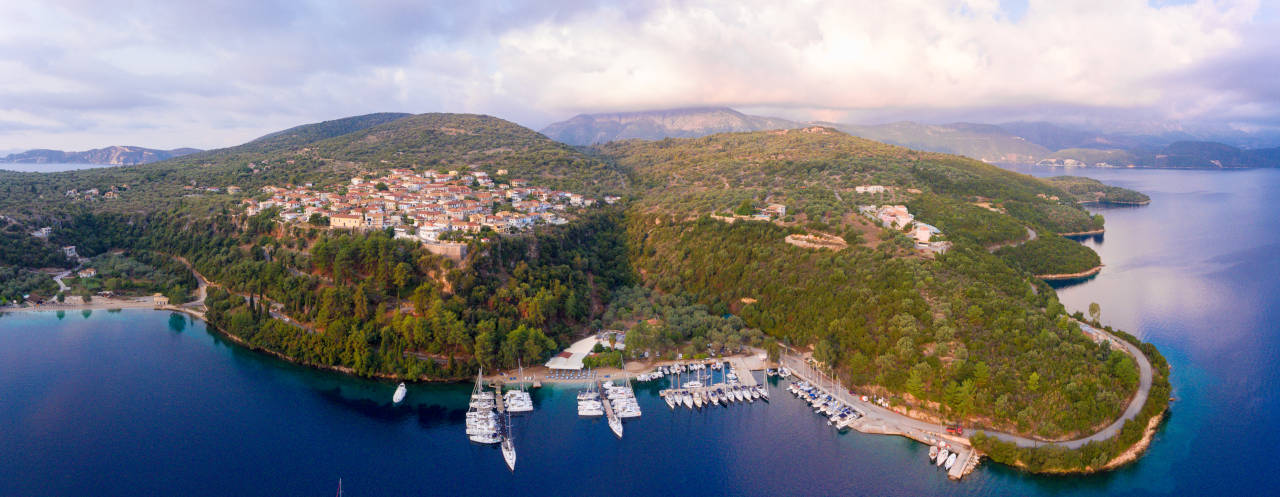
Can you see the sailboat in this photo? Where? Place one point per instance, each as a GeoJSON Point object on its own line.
{"type": "Point", "coordinates": [509, 446]}
{"type": "Point", "coordinates": [482, 422]}
{"type": "Point", "coordinates": [399, 395]}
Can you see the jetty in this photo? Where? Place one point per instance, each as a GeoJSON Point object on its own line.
{"type": "Point", "coordinates": [615, 424]}
{"type": "Point", "coordinates": [876, 419]}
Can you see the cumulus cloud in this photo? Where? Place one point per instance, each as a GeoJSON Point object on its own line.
{"type": "Point", "coordinates": [89, 73]}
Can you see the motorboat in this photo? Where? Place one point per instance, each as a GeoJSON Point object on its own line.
{"type": "Point", "coordinates": [398, 397]}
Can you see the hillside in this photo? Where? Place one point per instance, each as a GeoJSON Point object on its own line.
{"type": "Point", "coordinates": [115, 155]}
{"type": "Point", "coordinates": [1088, 190]}
{"type": "Point", "coordinates": [956, 334]}
{"type": "Point", "coordinates": [1177, 155]}
{"type": "Point", "coordinates": [959, 333]}
{"type": "Point", "coordinates": [979, 141]}
{"type": "Point", "coordinates": [592, 129]}
{"type": "Point", "coordinates": [324, 154]}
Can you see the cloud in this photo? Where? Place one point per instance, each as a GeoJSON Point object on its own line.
{"type": "Point", "coordinates": [84, 73]}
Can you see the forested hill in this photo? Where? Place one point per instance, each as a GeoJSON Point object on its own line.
{"type": "Point", "coordinates": [815, 172]}
{"type": "Point", "coordinates": [323, 153]}
{"type": "Point", "coordinates": [964, 333]}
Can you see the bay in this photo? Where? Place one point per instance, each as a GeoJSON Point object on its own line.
{"type": "Point", "coordinates": [151, 403]}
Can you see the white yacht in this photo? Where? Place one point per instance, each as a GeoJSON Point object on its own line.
{"type": "Point", "coordinates": [482, 421]}
{"type": "Point", "coordinates": [400, 392]}
{"type": "Point", "coordinates": [942, 457]}
{"type": "Point", "coordinates": [509, 447]}
{"type": "Point", "coordinates": [951, 461]}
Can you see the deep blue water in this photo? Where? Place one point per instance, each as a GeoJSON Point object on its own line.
{"type": "Point", "coordinates": [149, 403]}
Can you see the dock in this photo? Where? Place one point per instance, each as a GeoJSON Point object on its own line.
{"type": "Point", "coordinates": [880, 421]}
{"type": "Point", "coordinates": [497, 398]}
{"type": "Point", "coordinates": [744, 374]}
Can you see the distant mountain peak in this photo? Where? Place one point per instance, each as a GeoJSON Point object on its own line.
{"type": "Point", "coordinates": [680, 122]}
{"type": "Point", "coordinates": [118, 155]}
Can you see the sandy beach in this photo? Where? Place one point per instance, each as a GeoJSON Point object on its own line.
{"type": "Point", "coordinates": [75, 303]}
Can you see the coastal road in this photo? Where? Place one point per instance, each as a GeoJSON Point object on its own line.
{"type": "Point", "coordinates": [892, 420]}
{"type": "Point", "coordinates": [1031, 236]}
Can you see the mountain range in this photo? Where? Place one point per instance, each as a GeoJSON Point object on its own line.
{"type": "Point", "coordinates": [115, 155]}
{"type": "Point", "coordinates": [1013, 142]}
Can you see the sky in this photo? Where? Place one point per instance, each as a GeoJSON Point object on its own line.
{"type": "Point", "coordinates": [80, 74]}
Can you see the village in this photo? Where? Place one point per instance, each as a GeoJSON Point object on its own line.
{"type": "Point", "coordinates": [429, 207]}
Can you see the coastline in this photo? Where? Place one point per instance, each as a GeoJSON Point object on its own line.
{"type": "Point", "coordinates": [1098, 231]}
{"type": "Point", "coordinates": [538, 373]}
{"type": "Point", "coordinates": [99, 303]}
{"type": "Point", "coordinates": [1129, 455]}
{"type": "Point", "coordinates": [1113, 202]}
{"type": "Point", "coordinates": [1070, 276]}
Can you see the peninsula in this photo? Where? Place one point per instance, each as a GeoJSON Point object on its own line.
{"type": "Point", "coordinates": [907, 275]}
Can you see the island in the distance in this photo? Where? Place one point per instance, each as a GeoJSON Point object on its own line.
{"type": "Point", "coordinates": [113, 155]}
{"type": "Point", "coordinates": [909, 276]}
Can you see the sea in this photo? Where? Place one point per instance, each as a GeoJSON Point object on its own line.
{"type": "Point", "coordinates": [50, 167]}
{"type": "Point", "coordinates": [141, 402]}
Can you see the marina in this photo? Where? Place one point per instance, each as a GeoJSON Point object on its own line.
{"type": "Point", "coordinates": [863, 414]}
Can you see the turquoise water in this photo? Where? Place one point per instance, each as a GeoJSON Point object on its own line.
{"type": "Point", "coordinates": [140, 402]}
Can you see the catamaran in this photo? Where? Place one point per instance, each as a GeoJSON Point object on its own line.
{"type": "Point", "coordinates": [518, 401]}
{"type": "Point", "coordinates": [400, 392]}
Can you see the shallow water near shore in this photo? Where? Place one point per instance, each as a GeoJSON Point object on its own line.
{"type": "Point", "coordinates": [152, 403]}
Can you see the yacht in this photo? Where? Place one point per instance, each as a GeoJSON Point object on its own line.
{"type": "Point", "coordinates": [509, 447]}
{"type": "Point", "coordinates": [942, 457]}
{"type": "Point", "coordinates": [482, 422]}
{"type": "Point", "coordinates": [933, 452]}
{"type": "Point", "coordinates": [951, 461]}
{"type": "Point", "coordinates": [399, 395]}
{"type": "Point", "coordinates": [670, 397]}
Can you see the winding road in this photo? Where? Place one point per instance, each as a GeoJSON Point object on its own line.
{"type": "Point", "coordinates": [892, 420]}
{"type": "Point", "coordinates": [1031, 236]}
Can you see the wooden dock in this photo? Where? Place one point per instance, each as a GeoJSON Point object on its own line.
{"type": "Point", "coordinates": [497, 398]}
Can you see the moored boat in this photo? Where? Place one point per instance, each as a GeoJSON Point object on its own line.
{"type": "Point", "coordinates": [400, 393]}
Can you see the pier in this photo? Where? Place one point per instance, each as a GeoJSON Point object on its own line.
{"type": "Point", "coordinates": [881, 421]}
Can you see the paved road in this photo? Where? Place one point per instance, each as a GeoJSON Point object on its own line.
{"type": "Point", "coordinates": [62, 287]}
{"type": "Point", "coordinates": [877, 414]}
{"type": "Point", "coordinates": [1031, 235]}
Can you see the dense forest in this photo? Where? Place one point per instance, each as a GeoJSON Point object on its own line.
{"type": "Point", "coordinates": [963, 333]}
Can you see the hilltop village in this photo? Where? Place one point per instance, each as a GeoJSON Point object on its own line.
{"type": "Point", "coordinates": [429, 207]}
